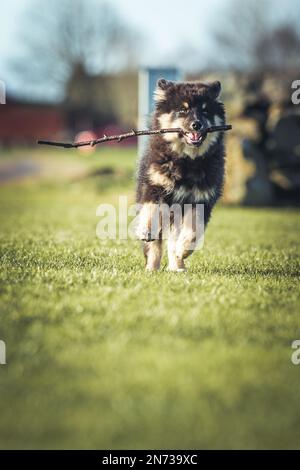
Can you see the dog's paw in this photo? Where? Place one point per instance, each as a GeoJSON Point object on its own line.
{"type": "Point", "coordinates": [176, 265]}
{"type": "Point", "coordinates": [176, 270]}
{"type": "Point", "coordinates": [151, 269]}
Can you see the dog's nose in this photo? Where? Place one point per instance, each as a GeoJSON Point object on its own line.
{"type": "Point", "coordinates": [196, 125]}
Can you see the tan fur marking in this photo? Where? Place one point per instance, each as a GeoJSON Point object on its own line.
{"type": "Point", "coordinates": [159, 95]}
{"type": "Point", "coordinates": [158, 179]}
{"type": "Point", "coordinates": [166, 121]}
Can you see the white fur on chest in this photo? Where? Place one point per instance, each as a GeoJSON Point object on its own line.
{"type": "Point", "coordinates": [195, 194]}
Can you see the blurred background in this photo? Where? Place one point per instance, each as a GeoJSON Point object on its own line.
{"type": "Point", "coordinates": [100, 355]}
{"type": "Point", "coordinates": [70, 69]}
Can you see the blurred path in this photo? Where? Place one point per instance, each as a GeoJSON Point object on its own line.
{"type": "Point", "coordinates": [40, 167]}
{"type": "Point", "coordinates": [17, 170]}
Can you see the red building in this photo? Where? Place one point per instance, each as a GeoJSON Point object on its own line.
{"type": "Point", "coordinates": [24, 123]}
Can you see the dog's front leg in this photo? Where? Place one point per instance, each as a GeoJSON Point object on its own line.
{"type": "Point", "coordinates": [149, 231]}
{"type": "Point", "coordinates": [149, 222]}
{"type": "Point", "coordinates": [153, 254]}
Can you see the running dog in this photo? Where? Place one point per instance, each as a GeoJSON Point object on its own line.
{"type": "Point", "coordinates": [185, 169]}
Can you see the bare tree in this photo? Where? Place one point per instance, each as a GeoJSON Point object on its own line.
{"type": "Point", "coordinates": [280, 48]}
{"type": "Point", "coordinates": [247, 38]}
{"type": "Point", "coordinates": [60, 36]}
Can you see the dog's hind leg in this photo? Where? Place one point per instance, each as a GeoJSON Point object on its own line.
{"type": "Point", "coordinates": [153, 254]}
{"type": "Point", "coordinates": [191, 233]}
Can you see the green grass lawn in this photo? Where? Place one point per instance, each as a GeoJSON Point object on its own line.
{"type": "Point", "coordinates": [101, 354]}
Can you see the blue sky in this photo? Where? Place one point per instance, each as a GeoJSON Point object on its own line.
{"type": "Point", "coordinates": [165, 24]}
{"type": "Point", "coordinates": [168, 26]}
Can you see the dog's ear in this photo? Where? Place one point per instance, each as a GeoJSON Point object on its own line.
{"type": "Point", "coordinates": [161, 88]}
{"type": "Point", "coordinates": [214, 90]}
{"type": "Point", "coordinates": [164, 84]}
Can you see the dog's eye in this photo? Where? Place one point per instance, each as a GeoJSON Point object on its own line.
{"type": "Point", "coordinates": [183, 111]}
{"type": "Point", "coordinates": [204, 108]}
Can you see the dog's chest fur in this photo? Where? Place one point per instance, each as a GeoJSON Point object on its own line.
{"type": "Point", "coordinates": [167, 176]}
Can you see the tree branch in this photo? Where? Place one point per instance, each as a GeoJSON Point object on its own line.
{"type": "Point", "coordinates": [132, 133]}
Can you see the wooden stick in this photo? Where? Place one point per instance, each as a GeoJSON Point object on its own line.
{"type": "Point", "coordinates": [132, 133]}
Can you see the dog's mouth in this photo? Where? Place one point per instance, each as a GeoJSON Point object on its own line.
{"type": "Point", "coordinates": [194, 139]}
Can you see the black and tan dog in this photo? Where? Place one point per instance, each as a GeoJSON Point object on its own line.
{"type": "Point", "coordinates": [180, 168]}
